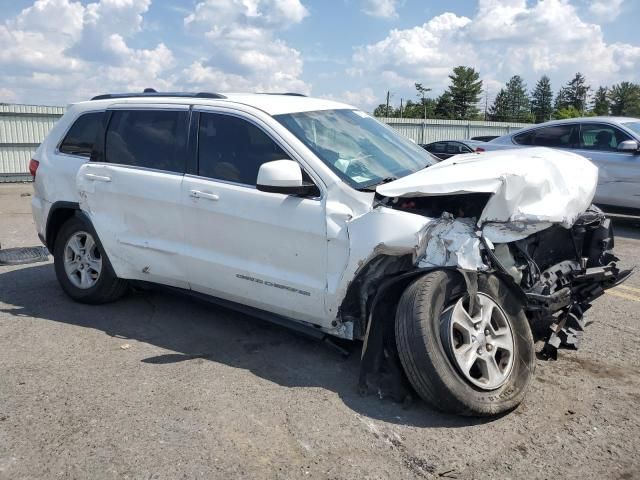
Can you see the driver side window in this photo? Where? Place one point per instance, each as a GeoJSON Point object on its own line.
{"type": "Point", "coordinates": [600, 136]}
{"type": "Point", "coordinates": [232, 149]}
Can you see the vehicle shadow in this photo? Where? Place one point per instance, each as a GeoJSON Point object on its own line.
{"type": "Point", "coordinates": [198, 330]}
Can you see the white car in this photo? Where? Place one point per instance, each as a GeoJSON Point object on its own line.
{"type": "Point", "coordinates": [311, 213]}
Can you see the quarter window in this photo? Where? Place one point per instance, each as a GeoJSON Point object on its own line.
{"type": "Point", "coordinates": [600, 136]}
{"type": "Point", "coordinates": [82, 135]}
{"type": "Point", "coordinates": [232, 149]}
{"type": "Point", "coordinates": [147, 138]}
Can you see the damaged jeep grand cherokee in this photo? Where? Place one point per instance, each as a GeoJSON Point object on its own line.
{"type": "Point", "coordinates": [311, 213]}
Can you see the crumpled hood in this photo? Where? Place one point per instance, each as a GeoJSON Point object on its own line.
{"type": "Point", "coordinates": [532, 187]}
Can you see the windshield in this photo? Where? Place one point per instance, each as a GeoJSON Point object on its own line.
{"type": "Point", "coordinates": [635, 126]}
{"type": "Point", "coordinates": [358, 148]}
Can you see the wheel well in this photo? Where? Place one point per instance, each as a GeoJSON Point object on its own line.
{"type": "Point", "coordinates": [60, 212]}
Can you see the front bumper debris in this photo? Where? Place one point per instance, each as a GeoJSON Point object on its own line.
{"type": "Point", "coordinates": [564, 291]}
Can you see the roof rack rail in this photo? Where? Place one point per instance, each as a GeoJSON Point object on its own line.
{"type": "Point", "coordinates": [150, 92]}
{"type": "Point", "coordinates": [290, 94]}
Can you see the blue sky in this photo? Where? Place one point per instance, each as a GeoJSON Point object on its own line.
{"type": "Point", "coordinates": [61, 51]}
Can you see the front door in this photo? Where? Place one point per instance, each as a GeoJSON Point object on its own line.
{"type": "Point", "coordinates": [265, 250]}
{"type": "Point", "coordinates": [618, 172]}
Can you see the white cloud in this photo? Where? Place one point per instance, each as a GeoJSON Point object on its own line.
{"type": "Point", "coordinates": [7, 96]}
{"type": "Point", "coordinates": [419, 54]}
{"type": "Point", "coordinates": [505, 37]}
{"type": "Point", "coordinates": [380, 8]}
{"type": "Point", "coordinates": [60, 50]}
{"type": "Point", "coordinates": [245, 52]}
{"type": "Point", "coordinates": [57, 51]}
{"type": "Point", "coordinates": [606, 10]}
{"type": "Point", "coordinates": [364, 99]}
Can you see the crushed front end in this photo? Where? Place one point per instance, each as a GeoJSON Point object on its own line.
{"type": "Point", "coordinates": [561, 272]}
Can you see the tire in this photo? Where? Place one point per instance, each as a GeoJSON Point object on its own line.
{"type": "Point", "coordinates": [94, 286]}
{"type": "Point", "coordinates": [423, 319]}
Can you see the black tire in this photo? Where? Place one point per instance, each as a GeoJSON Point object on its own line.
{"type": "Point", "coordinates": [424, 357]}
{"type": "Point", "coordinates": [108, 286]}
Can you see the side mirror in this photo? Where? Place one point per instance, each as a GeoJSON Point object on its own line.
{"type": "Point", "coordinates": [283, 176]}
{"type": "Point", "coordinates": [628, 146]}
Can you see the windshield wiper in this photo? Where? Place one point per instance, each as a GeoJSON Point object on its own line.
{"type": "Point", "coordinates": [371, 187]}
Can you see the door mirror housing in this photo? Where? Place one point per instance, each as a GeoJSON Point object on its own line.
{"type": "Point", "coordinates": [283, 176]}
{"type": "Point", "coordinates": [628, 146]}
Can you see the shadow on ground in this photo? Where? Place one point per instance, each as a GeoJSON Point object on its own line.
{"type": "Point", "coordinates": [193, 330]}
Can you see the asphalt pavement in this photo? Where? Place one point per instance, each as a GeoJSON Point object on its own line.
{"type": "Point", "coordinates": [157, 386]}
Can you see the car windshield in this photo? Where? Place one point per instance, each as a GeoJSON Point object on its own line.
{"type": "Point", "coordinates": [358, 148]}
{"type": "Point", "coordinates": [635, 126]}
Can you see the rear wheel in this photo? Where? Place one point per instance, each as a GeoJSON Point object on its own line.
{"type": "Point", "coordinates": [82, 268]}
{"type": "Point", "coordinates": [461, 362]}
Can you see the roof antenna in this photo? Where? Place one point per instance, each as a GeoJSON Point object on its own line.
{"type": "Point", "coordinates": [149, 90]}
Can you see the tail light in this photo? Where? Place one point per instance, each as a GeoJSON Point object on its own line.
{"type": "Point", "coordinates": [33, 167]}
{"type": "Point", "coordinates": [479, 149]}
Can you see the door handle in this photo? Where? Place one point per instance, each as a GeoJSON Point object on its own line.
{"type": "Point", "coordinates": [207, 195]}
{"type": "Point", "coordinates": [97, 178]}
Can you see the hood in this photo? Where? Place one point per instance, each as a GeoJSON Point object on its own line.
{"type": "Point", "coordinates": [532, 187]}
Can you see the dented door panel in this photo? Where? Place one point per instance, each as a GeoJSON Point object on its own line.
{"type": "Point", "coordinates": [137, 215]}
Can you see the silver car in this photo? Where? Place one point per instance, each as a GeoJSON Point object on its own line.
{"type": "Point", "coordinates": [612, 143]}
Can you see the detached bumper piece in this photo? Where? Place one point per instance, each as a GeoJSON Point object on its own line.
{"type": "Point", "coordinates": [565, 290]}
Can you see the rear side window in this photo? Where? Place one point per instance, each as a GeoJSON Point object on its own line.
{"type": "Point", "coordinates": [556, 136]}
{"type": "Point", "coordinates": [438, 147]}
{"type": "Point", "coordinates": [82, 135]}
{"type": "Point", "coordinates": [232, 149]}
{"type": "Point", "coordinates": [147, 138]}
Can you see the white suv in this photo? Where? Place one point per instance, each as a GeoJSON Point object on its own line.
{"type": "Point", "coordinates": [311, 213]}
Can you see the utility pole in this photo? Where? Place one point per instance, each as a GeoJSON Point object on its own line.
{"type": "Point", "coordinates": [401, 107]}
{"type": "Point", "coordinates": [388, 93]}
{"type": "Point", "coordinates": [486, 104]}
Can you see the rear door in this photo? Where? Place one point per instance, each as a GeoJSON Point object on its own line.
{"type": "Point", "coordinates": [618, 172]}
{"type": "Point", "coordinates": [265, 250]}
{"type": "Point", "coordinates": [131, 191]}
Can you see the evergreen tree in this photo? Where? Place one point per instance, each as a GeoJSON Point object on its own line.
{"type": "Point", "coordinates": [512, 102]}
{"type": "Point", "coordinates": [577, 90]}
{"type": "Point", "coordinates": [464, 91]}
{"type": "Point", "coordinates": [562, 100]}
{"type": "Point", "coordinates": [625, 99]}
{"type": "Point", "coordinates": [444, 106]}
{"type": "Point", "coordinates": [499, 110]}
{"type": "Point", "coordinates": [519, 107]}
{"type": "Point", "coordinates": [601, 105]}
{"type": "Point", "coordinates": [541, 100]}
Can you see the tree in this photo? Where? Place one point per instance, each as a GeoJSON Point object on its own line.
{"type": "Point", "coordinates": [519, 106]}
{"type": "Point", "coordinates": [567, 112]}
{"type": "Point", "coordinates": [512, 102]}
{"type": "Point", "coordinates": [499, 110]}
{"type": "Point", "coordinates": [577, 90]}
{"type": "Point", "coordinates": [562, 100]}
{"type": "Point", "coordinates": [601, 105]}
{"type": "Point", "coordinates": [625, 99]}
{"type": "Point", "coordinates": [380, 110]}
{"type": "Point", "coordinates": [464, 91]}
{"type": "Point", "coordinates": [541, 100]}
{"type": "Point", "coordinates": [421, 93]}
{"type": "Point", "coordinates": [444, 106]}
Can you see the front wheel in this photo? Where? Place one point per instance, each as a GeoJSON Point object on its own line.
{"type": "Point", "coordinates": [470, 363]}
{"type": "Point", "coordinates": [81, 265]}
